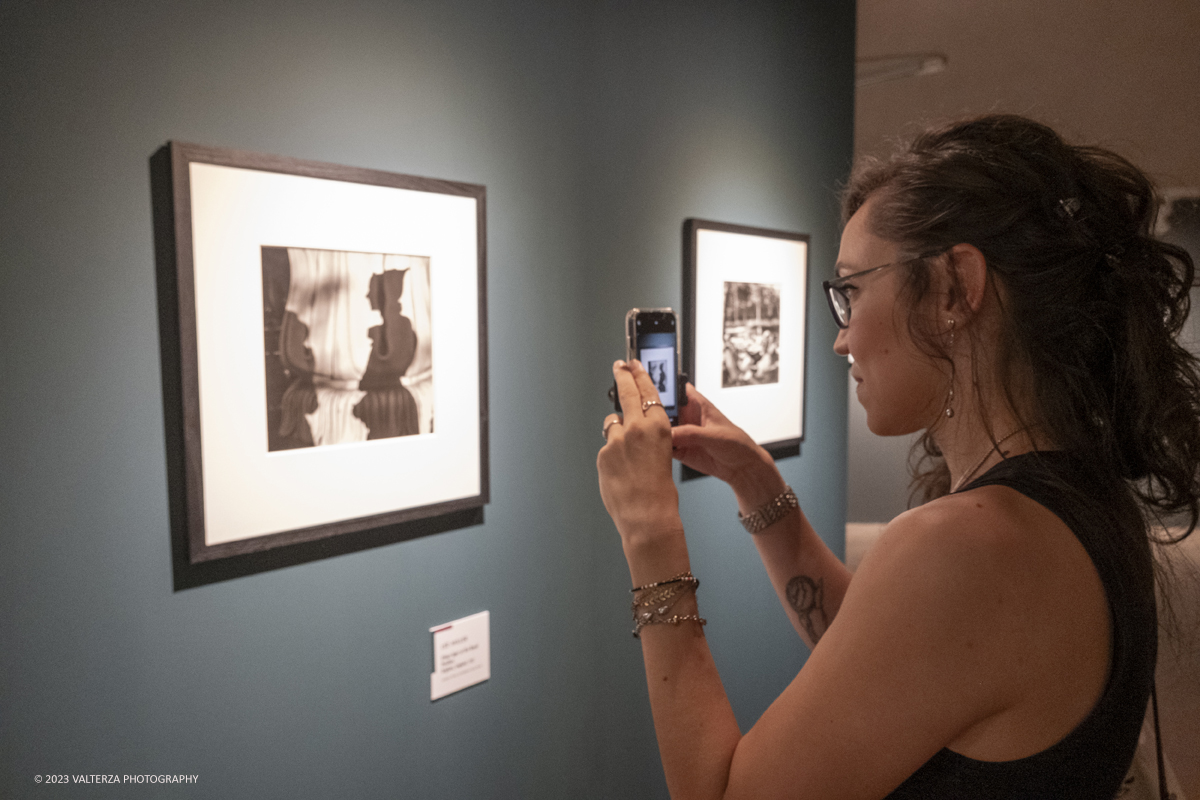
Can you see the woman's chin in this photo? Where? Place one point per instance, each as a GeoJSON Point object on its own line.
{"type": "Point", "coordinates": [882, 425]}
{"type": "Point", "coordinates": [878, 428]}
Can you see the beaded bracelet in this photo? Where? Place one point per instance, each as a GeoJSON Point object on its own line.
{"type": "Point", "coordinates": [651, 607]}
{"type": "Point", "coordinates": [674, 620]}
{"type": "Point", "coordinates": [687, 577]}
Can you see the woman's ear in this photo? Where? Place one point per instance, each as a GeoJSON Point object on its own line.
{"type": "Point", "coordinates": [967, 274]}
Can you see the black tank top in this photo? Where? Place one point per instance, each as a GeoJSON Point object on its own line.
{"type": "Point", "coordinates": [1092, 760]}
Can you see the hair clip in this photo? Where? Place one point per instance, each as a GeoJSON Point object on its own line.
{"type": "Point", "coordinates": [1069, 207]}
{"type": "Point", "coordinates": [1113, 255]}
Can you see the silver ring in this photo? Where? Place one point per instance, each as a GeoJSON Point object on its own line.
{"type": "Point", "coordinates": [607, 425]}
{"type": "Point", "coordinates": [647, 404]}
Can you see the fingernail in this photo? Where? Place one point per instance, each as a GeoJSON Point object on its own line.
{"type": "Point", "coordinates": [619, 364]}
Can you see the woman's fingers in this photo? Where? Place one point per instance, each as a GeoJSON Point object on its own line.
{"type": "Point", "coordinates": [699, 411]}
{"type": "Point", "coordinates": [691, 451]}
{"type": "Point", "coordinates": [646, 388]}
{"type": "Point", "coordinates": [634, 388]}
{"type": "Point", "coordinates": [706, 411]}
{"type": "Point", "coordinates": [685, 436]}
{"type": "Point", "coordinates": [627, 390]}
{"type": "Point", "coordinates": [693, 412]}
{"type": "Point", "coordinates": [709, 442]}
{"type": "Point", "coordinates": [635, 463]}
{"type": "Point", "coordinates": [689, 442]}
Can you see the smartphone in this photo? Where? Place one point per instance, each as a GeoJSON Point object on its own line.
{"type": "Point", "coordinates": [652, 337]}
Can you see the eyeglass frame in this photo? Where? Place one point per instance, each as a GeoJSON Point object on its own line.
{"type": "Point", "coordinates": [837, 284]}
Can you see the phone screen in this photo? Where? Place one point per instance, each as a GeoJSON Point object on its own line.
{"type": "Point", "coordinates": [655, 345]}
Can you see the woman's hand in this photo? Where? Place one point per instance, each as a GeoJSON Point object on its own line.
{"type": "Point", "coordinates": [635, 465]}
{"type": "Point", "coordinates": [707, 441]}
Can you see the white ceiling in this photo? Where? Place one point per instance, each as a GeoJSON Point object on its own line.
{"type": "Point", "coordinates": [1122, 74]}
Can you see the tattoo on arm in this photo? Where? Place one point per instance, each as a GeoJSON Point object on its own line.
{"type": "Point", "coordinates": [807, 599]}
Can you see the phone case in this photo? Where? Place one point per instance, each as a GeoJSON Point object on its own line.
{"type": "Point", "coordinates": [631, 354]}
{"type": "Point", "coordinates": [631, 332]}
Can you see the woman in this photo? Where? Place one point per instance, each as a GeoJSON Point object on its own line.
{"type": "Point", "coordinates": [997, 289]}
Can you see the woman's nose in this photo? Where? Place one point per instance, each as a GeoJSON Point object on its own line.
{"type": "Point", "coordinates": [840, 346]}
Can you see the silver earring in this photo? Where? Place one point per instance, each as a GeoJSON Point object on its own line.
{"type": "Point", "coordinates": [950, 396]}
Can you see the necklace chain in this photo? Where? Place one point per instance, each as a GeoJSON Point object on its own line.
{"type": "Point", "coordinates": [995, 447]}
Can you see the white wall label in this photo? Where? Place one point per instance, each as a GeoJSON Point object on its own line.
{"type": "Point", "coordinates": [462, 654]}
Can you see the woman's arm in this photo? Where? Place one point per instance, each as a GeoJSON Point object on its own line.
{"type": "Point", "coordinates": [697, 731]}
{"type": "Point", "coordinates": [808, 578]}
{"type": "Point", "coordinates": [930, 641]}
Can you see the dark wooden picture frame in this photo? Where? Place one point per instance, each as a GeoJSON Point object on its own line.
{"type": "Point", "coordinates": [752, 369]}
{"type": "Point", "coordinates": [226, 223]}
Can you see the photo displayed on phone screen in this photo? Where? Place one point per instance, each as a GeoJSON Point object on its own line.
{"type": "Point", "coordinates": [656, 351]}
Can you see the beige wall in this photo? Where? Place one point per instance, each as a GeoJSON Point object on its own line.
{"type": "Point", "coordinates": [1123, 74]}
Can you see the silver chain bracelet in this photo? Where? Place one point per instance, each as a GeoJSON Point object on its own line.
{"type": "Point", "coordinates": [770, 512]}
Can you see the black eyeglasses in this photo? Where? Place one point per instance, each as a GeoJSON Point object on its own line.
{"type": "Point", "coordinates": [839, 300]}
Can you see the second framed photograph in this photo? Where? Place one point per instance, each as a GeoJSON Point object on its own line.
{"type": "Point", "coordinates": [745, 294]}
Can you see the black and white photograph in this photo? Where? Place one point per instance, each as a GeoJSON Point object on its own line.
{"type": "Point", "coordinates": [348, 346]}
{"type": "Point", "coordinates": [660, 366]}
{"type": "Point", "coordinates": [745, 298]}
{"type": "Point", "coordinates": [332, 348]}
{"type": "Point", "coordinates": [751, 334]}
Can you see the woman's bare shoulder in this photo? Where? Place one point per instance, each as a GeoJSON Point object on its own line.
{"type": "Point", "coordinates": [985, 528]}
{"type": "Point", "coordinates": [955, 531]}
{"type": "Point", "coordinates": [989, 562]}
{"type": "Point", "coordinates": [1003, 592]}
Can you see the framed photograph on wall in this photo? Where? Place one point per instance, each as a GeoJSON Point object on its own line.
{"type": "Point", "coordinates": [745, 295]}
{"type": "Point", "coordinates": [331, 347]}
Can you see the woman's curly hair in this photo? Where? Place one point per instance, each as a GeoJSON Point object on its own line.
{"type": "Point", "coordinates": [1092, 302]}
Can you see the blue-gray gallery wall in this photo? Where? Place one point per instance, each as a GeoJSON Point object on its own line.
{"type": "Point", "coordinates": [597, 127]}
